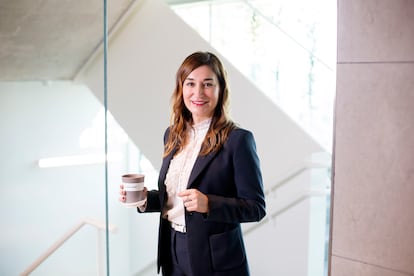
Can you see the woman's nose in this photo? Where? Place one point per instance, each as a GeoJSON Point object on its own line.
{"type": "Point", "coordinates": [199, 89]}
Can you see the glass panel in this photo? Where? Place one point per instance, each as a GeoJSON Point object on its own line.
{"type": "Point", "coordinates": [51, 166]}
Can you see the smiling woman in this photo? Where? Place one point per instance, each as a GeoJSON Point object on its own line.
{"type": "Point", "coordinates": [210, 179]}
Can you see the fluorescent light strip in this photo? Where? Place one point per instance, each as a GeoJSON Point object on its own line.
{"type": "Point", "coordinates": [77, 160]}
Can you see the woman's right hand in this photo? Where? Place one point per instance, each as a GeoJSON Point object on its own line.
{"type": "Point", "coordinates": [122, 194]}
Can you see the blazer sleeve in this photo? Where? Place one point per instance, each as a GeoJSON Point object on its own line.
{"type": "Point", "coordinates": [249, 203]}
{"type": "Point", "coordinates": [153, 202]}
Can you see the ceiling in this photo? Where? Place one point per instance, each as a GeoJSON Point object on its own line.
{"type": "Point", "coordinates": [52, 39]}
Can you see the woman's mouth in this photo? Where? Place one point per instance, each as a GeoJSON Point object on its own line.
{"type": "Point", "coordinates": [198, 103]}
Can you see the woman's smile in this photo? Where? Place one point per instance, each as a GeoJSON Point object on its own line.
{"type": "Point", "coordinates": [198, 103]}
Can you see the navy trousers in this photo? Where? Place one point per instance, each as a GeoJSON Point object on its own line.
{"type": "Point", "coordinates": [179, 265]}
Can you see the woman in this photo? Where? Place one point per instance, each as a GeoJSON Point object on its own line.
{"type": "Point", "coordinates": [210, 179]}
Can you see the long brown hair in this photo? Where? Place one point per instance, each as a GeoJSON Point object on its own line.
{"type": "Point", "coordinates": [181, 117]}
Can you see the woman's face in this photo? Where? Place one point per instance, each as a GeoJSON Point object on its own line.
{"type": "Point", "coordinates": [201, 93]}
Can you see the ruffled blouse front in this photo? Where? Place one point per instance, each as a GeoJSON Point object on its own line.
{"type": "Point", "coordinates": [179, 172]}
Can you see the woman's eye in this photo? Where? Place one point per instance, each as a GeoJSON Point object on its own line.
{"type": "Point", "coordinates": [208, 84]}
{"type": "Point", "coordinates": [191, 84]}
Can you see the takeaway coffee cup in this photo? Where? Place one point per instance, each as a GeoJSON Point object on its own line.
{"type": "Point", "coordinates": [134, 187]}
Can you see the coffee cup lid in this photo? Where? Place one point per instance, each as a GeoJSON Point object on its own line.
{"type": "Point", "coordinates": [133, 178]}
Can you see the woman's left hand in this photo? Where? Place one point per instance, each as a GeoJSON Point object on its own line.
{"type": "Point", "coordinates": [194, 200]}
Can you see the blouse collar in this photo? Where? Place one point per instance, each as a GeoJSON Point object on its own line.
{"type": "Point", "coordinates": [203, 125]}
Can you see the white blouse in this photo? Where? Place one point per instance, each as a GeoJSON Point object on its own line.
{"type": "Point", "coordinates": [179, 172]}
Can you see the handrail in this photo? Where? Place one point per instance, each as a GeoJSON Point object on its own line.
{"type": "Point", "coordinates": [305, 166]}
{"type": "Point", "coordinates": [302, 167]}
{"type": "Point", "coordinates": [282, 210]}
{"type": "Point", "coordinates": [91, 221]}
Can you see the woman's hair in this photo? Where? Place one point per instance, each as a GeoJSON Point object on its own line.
{"type": "Point", "coordinates": [181, 118]}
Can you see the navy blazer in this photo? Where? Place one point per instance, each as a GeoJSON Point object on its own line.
{"type": "Point", "coordinates": [232, 180]}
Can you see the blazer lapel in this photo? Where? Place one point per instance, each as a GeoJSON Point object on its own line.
{"type": "Point", "coordinates": [199, 166]}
